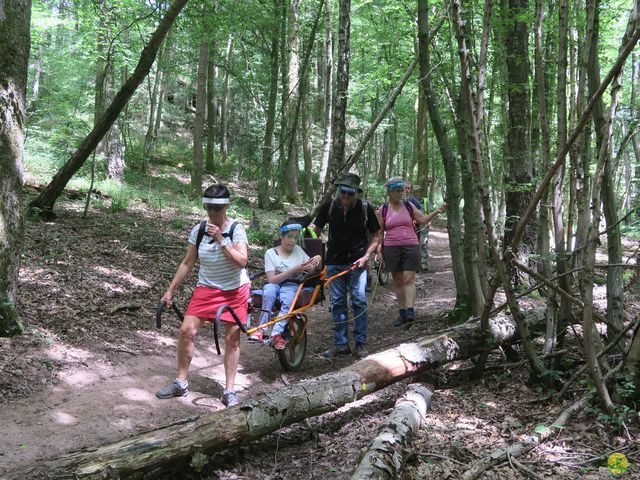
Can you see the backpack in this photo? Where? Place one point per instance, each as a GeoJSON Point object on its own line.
{"type": "Point", "coordinates": [365, 215]}
{"type": "Point", "coordinates": [203, 229]}
{"type": "Point", "coordinates": [407, 205]}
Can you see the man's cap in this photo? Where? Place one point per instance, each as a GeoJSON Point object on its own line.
{"type": "Point", "coordinates": [349, 182]}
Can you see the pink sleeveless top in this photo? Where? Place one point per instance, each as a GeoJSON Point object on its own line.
{"type": "Point", "coordinates": [398, 227]}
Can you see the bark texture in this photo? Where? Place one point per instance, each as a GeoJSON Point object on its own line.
{"type": "Point", "coordinates": [384, 457]}
{"type": "Point", "coordinates": [15, 43]}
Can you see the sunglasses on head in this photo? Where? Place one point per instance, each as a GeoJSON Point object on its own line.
{"type": "Point", "coordinates": [214, 207]}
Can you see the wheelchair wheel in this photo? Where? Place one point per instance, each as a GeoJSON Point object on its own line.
{"type": "Point", "coordinates": [383, 275]}
{"type": "Point", "coordinates": [292, 356]}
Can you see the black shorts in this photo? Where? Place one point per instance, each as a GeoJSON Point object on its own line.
{"type": "Point", "coordinates": [402, 258]}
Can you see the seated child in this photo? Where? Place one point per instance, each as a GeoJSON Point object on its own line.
{"type": "Point", "coordinates": [285, 267]}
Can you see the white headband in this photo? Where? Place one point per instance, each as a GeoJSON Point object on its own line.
{"type": "Point", "coordinates": [215, 201]}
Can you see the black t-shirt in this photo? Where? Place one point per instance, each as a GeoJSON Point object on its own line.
{"type": "Point", "coordinates": [348, 239]}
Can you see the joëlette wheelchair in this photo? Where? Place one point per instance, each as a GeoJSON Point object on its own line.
{"type": "Point", "coordinates": [310, 291]}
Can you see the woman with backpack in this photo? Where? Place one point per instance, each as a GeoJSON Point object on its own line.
{"type": "Point", "coordinates": [401, 249]}
{"type": "Point", "coordinates": [221, 245]}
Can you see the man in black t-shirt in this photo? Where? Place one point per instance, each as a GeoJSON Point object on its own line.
{"type": "Point", "coordinates": [354, 234]}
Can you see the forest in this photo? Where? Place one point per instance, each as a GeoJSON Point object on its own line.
{"type": "Point", "coordinates": [522, 116]}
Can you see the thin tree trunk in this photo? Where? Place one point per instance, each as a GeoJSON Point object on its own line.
{"type": "Point", "coordinates": [564, 313]}
{"type": "Point", "coordinates": [328, 102]}
{"type": "Point", "coordinates": [166, 58]}
{"type": "Point", "coordinates": [224, 112]}
{"type": "Point", "coordinates": [148, 138]}
{"type": "Point", "coordinates": [267, 149]}
{"type": "Point", "coordinates": [544, 245]}
{"type": "Point", "coordinates": [306, 142]}
{"type": "Point", "coordinates": [15, 43]}
{"type": "Point", "coordinates": [615, 284]}
{"type": "Point", "coordinates": [198, 124]}
{"type": "Point", "coordinates": [212, 107]}
{"type": "Point", "coordinates": [290, 170]}
{"type": "Point", "coordinates": [452, 175]}
{"type": "Point", "coordinates": [47, 198]}
{"type": "Point", "coordinates": [339, 125]}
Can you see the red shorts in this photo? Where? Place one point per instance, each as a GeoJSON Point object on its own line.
{"type": "Point", "coordinates": [205, 302]}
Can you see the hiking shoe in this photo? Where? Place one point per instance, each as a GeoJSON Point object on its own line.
{"type": "Point", "coordinates": [230, 398]}
{"type": "Point", "coordinates": [361, 351]}
{"type": "Point", "coordinates": [172, 390]}
{"type": "Point", "coordinates": [256, 337]}
{"type": "Point", "coordinates": [399, 322]}
{"type": "Point", "coordinates": [278, 342]}
{"type": "Point", "coordinates": [337, 350]}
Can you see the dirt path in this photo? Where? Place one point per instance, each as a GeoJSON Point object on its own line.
{"type": "Point", "coordinates": [82, 376]}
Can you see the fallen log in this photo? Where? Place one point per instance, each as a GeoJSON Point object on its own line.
{"type": "Point", "coordinates": [384, 459]}
{"type": "Point", "coordinates": [268, 412]}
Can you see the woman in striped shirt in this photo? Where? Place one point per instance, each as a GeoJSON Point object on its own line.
{"type": "Point", "coordinates": [222, 279]}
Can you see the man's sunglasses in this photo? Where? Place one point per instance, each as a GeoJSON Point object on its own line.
{"type": "Point", "coordinates": [349, 194]}
{"type": "Point", "coordinates": [214, 208]}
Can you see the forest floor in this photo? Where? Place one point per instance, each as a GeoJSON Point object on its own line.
{"type": "Point", "coordinates": [86, 369]}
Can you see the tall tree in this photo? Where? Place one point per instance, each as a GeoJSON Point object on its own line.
{"type": "Point", "coordinates": [328, 103]}
{"type": "Point", "coordinates": [519, 181]}
{"type": "Point", "coordinates": [224, 110]}
{"type": "Point", "coordinates": [15, 43]}
{"type": "Point", "coordinates": [290, 170]}
{"type": "Point", "coordinates": [336, 161]}
{"type": "Point", "coordinates": [267, 146]}
{"type": "Point", "coordinates": [49, 195]}
{"type": "Point", "coordinates": [201, 107]}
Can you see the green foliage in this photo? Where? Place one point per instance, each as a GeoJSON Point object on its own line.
{"type": "Point", "coordinates": [177, 223]}
{"type": "Point", "coordinates": [119, 202]}
{"type": "Point", "coordinates": [259, 237]}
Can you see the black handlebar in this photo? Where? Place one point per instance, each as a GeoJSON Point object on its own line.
{"type": "Point", "coordinates": [161, 306]}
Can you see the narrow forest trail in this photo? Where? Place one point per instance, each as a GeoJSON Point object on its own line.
{"type": "Point", "coordinates": [85, 374]}
{"type": "Point", "coordinates": [69, 387]}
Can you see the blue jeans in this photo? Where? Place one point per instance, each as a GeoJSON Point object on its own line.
{"type": "Point", "coordinates": [355, 282]}
{"type": "Point", "coordinates": [270, 293]}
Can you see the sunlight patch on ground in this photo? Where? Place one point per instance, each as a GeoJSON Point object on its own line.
{"type": "Point", "coordinates": [123, 423]}
{"type": "Point", "coordinates": [136, 395]}
{"type": "Point", "coordinates": [64, 353]}
{"type": "Point", "coordinates": [126, 276]}
{"type": "Point", "coordinates": [161, 340]}
{"type": "Point", "coordinates": [111, 288]}
{"type": "Point", "coordinates": [78, 378]}
{"type": "Point", "coordinates": [63, 418]}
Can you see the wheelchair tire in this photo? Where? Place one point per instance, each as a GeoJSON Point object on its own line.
{"type": "Point", "coordinates": [383, 276]}
{"type": "Point", "coordinates": [292, 356]}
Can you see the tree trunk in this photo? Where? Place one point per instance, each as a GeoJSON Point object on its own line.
{"type": "Point", "coordinates": [290, 170]}
{"type": "Point", "coordinates": [615, 283]}
{"type": "Point", "coordinates": [306, 142]}
{"type": "Point", "coordinates": [519, 181]}
{"type": "Point", "coordinates": [556, 195]}
{"type": "Point", "coordinates": [153, 101]}
{"type": "Point", "coordinates": [224, 111]}
{"type": "Point", "coordinates": [166, 59]}
{"type": "Point", "coordinates": [47, 198]}
{"type": "Point", "coordinates": [267, 149]}
{"type": "Point", "coordinates": [212, 107]}
{"type": "Point", "coordinates": [384, 459]}
{"type": "Point", "coordinates": [635, 64]}
{"type": "Point", "coordinates": [15, 43]}
{"type": "Point", "coordinates": [198, 124]}
{"type": "Point", "coordinates": [452, 175]}
{"type": "Point", "coordinates": [586, 275]}
{"type": "Point", "coordinates": [339, 126]}
{"type": "Point", "coordinates": [328, 107]}
{"type": "Point", "coordinates": [265, 413]}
